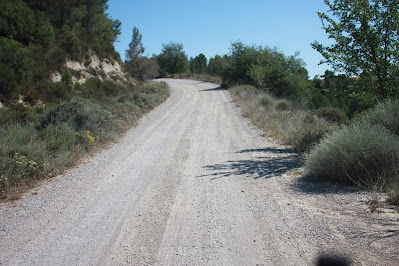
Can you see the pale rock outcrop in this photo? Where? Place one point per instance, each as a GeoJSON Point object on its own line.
{"type": "Point", "coordinates": [93, 67]}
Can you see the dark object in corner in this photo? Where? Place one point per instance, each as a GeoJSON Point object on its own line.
{"type": "Point", "coordinates": [325, 260]}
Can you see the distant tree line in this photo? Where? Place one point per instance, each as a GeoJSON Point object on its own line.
{"type": "Point", "coordinates": [267, 69]}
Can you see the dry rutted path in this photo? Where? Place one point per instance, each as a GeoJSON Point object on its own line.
{"type": "Point", "coordinates": [193, 184]}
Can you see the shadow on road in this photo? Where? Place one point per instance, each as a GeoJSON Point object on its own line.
{"type": "Point", "coordinates": [274, 162]}
{"type": "Point", "coordinates": [269, 150]}
{"type": "Point", "coordinates": [215, 89]}
{"type": "Point", "coordinates": [312, 186]}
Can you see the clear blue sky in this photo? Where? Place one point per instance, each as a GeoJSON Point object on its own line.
{"type": "Point", "coordinates": [209, 26]}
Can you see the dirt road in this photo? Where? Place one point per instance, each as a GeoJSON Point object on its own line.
{"type": "Point", "coordinates": [193, 184]}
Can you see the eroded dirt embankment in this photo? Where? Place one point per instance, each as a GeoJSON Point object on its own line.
{"type": "Point", "coordinates": [193, 184]}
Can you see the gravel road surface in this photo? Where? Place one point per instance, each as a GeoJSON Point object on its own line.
{"type": "Point", "coordinates": [194, 184]}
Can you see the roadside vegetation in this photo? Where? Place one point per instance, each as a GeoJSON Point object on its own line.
{"type": "Point", "coordinates": [47, 126]}
{"type": "Point", "coordinates": [42, 141]}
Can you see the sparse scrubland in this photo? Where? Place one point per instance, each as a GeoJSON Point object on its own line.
{"type": "Point", "coordinates": [282, 119]}
{"type": "Point", "coordinates": [363, 151]}
{"type": "Point", "coordinates": [40, 142]}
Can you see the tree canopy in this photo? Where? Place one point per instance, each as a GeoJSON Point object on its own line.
{"type": "Point", "coordinates": [139, 66]}
{"type": "Point", "coordinates": [37, 36]}
{"type": "Point", "coordinates": [198, 65]}
{"type": "Point", "coordinates": [173, 59]}
{"type": "Point", "coordinates": [267, 69]}
{"type": "Point", "coordinates": [366, 35]}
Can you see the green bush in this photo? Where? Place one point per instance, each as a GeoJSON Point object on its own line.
{"type": "Point", "coordinates": [266, 100]}
{"type": "Point", "coordinates": [283, 105]}
{"type": "Point", "coordinates": [21, 155]}
{"type": "Point", "coordinates": [244, 90]}
{"type": "Point", "coordinates": [281, 119]}
{"type": "Point", "coordinates": [357, 153]}
{"type": "Point", "coordinates": [17, 113]}
{"type": "Point", "coordinates": [318, 100]}
{"type": "Point", "coordinates": [15, 67]}
{"type": "Point", "coordinates": [295, 127]}
{"type": "Point", "coordinates": [59, 138]}
{"type": "Point", "coordinates": [19, 22]}
{"type": "Point", "coordinates": [332, 114]}
{"type": "Point", "coordinates": [206, 78]}
{"type": "Point", "coordinates": [152, 87]}
{"type": "Point", "coordinates": [81, 114]}
{"type": "Point", "coordinates": [385, 114]}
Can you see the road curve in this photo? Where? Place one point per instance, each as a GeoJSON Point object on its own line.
{"type": "Point", "coordinates": [192, 184]}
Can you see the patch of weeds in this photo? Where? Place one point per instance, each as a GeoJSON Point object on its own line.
{"type": "Point", "coordinates": [333, 114]}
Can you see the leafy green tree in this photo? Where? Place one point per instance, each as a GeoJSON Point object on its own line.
{"type": "Point", "coordinates": [19, 22]}
{"type": "Point", "coordinates": [218, 65]}
{"type": "Point", "coordinates": [366, 35]}
{"type": "Point", "coordinates": [139, 66]}
{"type": "Point", "coordinates": [173, 59]}
{"type": "Point", "coordinates": [136, 48]}
{"type": "Point", "coordinates": [81, 25]}
{"type": "Point", "coordinates": [267, 68]}
{"type": "Point", "coordinates": [15, 67]}
{"type": "Point", "coordinates": [60, 12]}
{"type": "Point", "coordinates": [257, 73]}
{"type": "Point", "coordinates": [198, 64]}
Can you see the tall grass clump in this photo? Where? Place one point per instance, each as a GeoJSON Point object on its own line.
{"type": "Point", "coordinates": [22, 156]}
{"type": "Point", "coordinates": [385, 114]}
{"type": "Point", "coordinates": [332, 114]}
{"type": "Point", "coordinates": [266, 100]}
{"type": "Point", "coordinates": [280, 118]}
{"type": "Point", "coordinates": [360, 153]}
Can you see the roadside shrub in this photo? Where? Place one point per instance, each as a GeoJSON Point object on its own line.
{"type": "Point", "coordinates": [332, 114]}
{"type": "Point", "coordinates": [281, 119]}
{"type": "Point", "coordinates": [265, 100]}
{"type": "Point", "coordinates": [244, 91]}
{"type": "Point", "coordinates": [207, 78]}
{"type": "Point", "coordinates": [94, 88]}
{"type": "Point", "coordinates": [81, 114]}
{"type": "Point", "coordinates": [152, 87]}
{"type": "Point", "coordinates": [358, 153]}
{"type": "Point", "coordinates": [59, 138]}
{"type": "Point", "coordinates": [17, 113]}
{"type": "Point", "coordinates": [201, 77]}
{"type": "Point", "coordinates": [318, 100]}
{"type": "Point", "coordinates": [283, 105]}
{"type": "Point", "coordinates": [297, 128]}
{"type": "Point", "coordinates": [21, 156]}
{"type": "Point", "coordinates": [385, 114]}
{"type": "Point", "coordinates": [151, 94]}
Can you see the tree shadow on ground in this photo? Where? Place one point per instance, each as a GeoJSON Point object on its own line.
{"type": "Point", "coordinates": [214, 89]}
{"type": "Point", "coordinates": [269, 150]}
{"type": "Point", "coordinates": [303, 184]}
{"type": "Point", "coordinates": [313, 186]}
{"type": "Point", "coordinates": [274, 163]}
